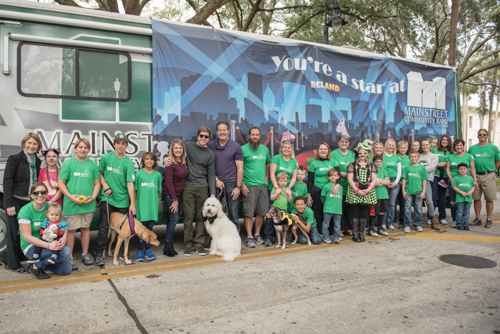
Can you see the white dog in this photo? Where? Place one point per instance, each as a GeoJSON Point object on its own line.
{"type": "Point", "coordinates": [226, 241]}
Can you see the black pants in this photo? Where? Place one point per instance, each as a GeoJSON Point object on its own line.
{"type": "Point", "coordinates": [345, 222]}
{"type": "Point", "coordinates": [13, 238]}
{"type": "Point", "coordinates": [317, 207]}
{"type": "Point", "coordinates": [102, 236]}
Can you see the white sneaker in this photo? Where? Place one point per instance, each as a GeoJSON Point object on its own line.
{"type": "Point", "coordinates": [372, 233]}
{"type": "Point", "coordinates": [454, 223]}
{"type": "Point", "coordinates": [429, 222]}
{"type": "Point", "coordinates": [444, 222]}
{"type": "Point", "coordinates": [419, 229]}
{"type": "Point", "coordinates": [384, 227]}
{"type": "Point", "coordinates": [382, 232]}
{"type": "Point", "coordinates": [392, 228]}
{"type": "Point", "coordinates": [407, 230]}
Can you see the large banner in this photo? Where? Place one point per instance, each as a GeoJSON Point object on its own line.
{"type": "Point", "coordinates": [303, 92]}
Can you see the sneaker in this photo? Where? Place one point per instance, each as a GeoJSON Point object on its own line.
{"type": "Point", "coordinates": [444, 222]}
{"type": "Point", "coordinates": [476, 222]}
{"type": "Point", "coordinates": [340, 238]}
{"type": "Point", "coordinates": [258, 239]}
{"type": "Point", "coordinates": [187, 252]}
{"type": "Point", "coordinates": [139, 256]}
{"type": "Point", "coordinates": [327, 241]}
{"type": "Point", "coordinates": [466, 228]}
{"type": "Point", "coordinates": [454, 224]}
{"type": "Point", "coordinates": [268, 243]}
{"type": "Point", "coordinates": [382, 232]}
{"type": "Point", "coordinates": [420, 229]}
{"type": "Point", "coordinates": [429, 222]}
{"type": "Point", "coordinates": [372, 233]}
{"type": "Point", "coordinates": [99, 260]}
{"type": "Point", "coordinates": [460, 227]}
{"type": "Point", "coordinates": [385, 227]}
{"type": "Point", "coordinates": [87, 260]}
{"type": "Point", "coordinates": [488, 224]}
{"type": "Point", "coordinates": [336, 240]}
{"type": "Point", "coordinates": [407, 230]}
{"type": "Point", "coordinates": [443, 184]}
{"type": "Point", "coordinates": [38, 273]}
{"type": "Point", "coordinates": [33, 260]}
{"type": "Point", "coordinates": [250, 243]}
{"type": "Point", "coordinates": [201, 251]}
{"type": "Point", "coordinates": [149, 255]}
{"type": "Point", "coordinates": [52, 260]}
{"type": "Point", "coordinates": [73, 265]}
{"type": "Point", "coordinates": [392, 228]}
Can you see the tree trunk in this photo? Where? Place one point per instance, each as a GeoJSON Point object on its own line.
{"type": "Point", "coordinates": [465, 113]}
{"type": "Point", "coordinates": [206, 11]}
{"type": "Point", "coordinates": [495, 123]}
{"type": "Point", "coordinates": [452, 55]}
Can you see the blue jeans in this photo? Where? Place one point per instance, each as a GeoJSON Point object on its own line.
{"type": "Point", "coordinates": [428, 199]}
{"type": "Point", "coordinates": [62, 265]}
{"type": "Point", "coordinates": [417, 202]}
{"type": "Point", "coordinates": [173, 217]}
{"type": "Point", "coordinates": [232, 205]}
{"type": "Point", "coordinates": [313, 234]}
{"type": "Point", "coordinates": [140, 243]}
{"type": "Point", "coordinates": [327, 217]}
{"type": "Point", "coordinates": [393, 197]}
{"type": "Point", "coordinates": [439, 197]}
{"type": "Point", "coordinates": [463, 213]}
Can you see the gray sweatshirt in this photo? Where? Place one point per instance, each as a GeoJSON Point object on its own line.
{"type": "Point", "coordinates": [201, 164]}
{"type": "Point", "coordinates": [430, 163]}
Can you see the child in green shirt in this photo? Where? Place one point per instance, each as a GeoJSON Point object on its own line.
{"type": "Point", "coordinates": [464, 187]}
{"type": "Point", "coordinates": [299, 188]}
{"type": "Point", "coordinates": [382, 205]}
{"type": "Point", "coordinates": [278, 196]}
{"type": "Point", "coordinates": [309, 224]}
{"type": "Point", "coordinates": [414, 184]}
{"type": "Point", "coordinates": [147, 186]}
{"type": "Point", "coordinates": [332, 207]}
{"type": "Point", "coordinates": [405, 161]}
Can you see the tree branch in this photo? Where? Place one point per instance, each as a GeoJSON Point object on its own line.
{"type": "Point", "coordinates": [304, 23]}
{"type": "Point", "coordinates": [255, 9]}
{"type": "Point", "coordinates": [464, 77]}
{"type": "Point", "coordinates": [480, 60]}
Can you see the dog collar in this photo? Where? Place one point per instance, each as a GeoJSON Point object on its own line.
{"type": "Point", "coordinates": [142, 232]}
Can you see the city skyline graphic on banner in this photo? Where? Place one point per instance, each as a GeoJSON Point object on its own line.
{"type": "Point", "coordinates": [247, 83]}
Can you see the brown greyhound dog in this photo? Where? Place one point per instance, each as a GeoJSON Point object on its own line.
{"type": "Point", "coordinates": [119, 225]}
{"type": "Point", "coordinates": [282, 222]}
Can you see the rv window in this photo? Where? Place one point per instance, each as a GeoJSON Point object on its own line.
{"type": "Point", "coordinates": [73, 73]}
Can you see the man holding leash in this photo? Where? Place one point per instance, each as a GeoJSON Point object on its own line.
{"type": "Point", "coordinates": [487, 160]}
{"type": "Point", "coordinates": [117, 191]}
{"type": "Point", "coordinates": [255, 200]}
{"type": "Point", "coordinates": [228, 169]}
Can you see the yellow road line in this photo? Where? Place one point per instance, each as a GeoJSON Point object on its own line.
{"type": "Point", "coordinates": [456, 237]}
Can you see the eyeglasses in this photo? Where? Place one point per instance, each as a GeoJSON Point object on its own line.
{"type": "Point", "coordinates": [38, 193]}
{"type": "Point", "coordinates": [204, 136]}
{"type": "Point", "coordinates": [482, 134]}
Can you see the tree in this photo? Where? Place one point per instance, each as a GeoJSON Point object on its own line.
{"type": "Point", "coordinates": [132, 7]}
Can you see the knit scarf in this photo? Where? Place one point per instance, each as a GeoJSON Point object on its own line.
{"type": "Point", "coordinates": [32, 164]}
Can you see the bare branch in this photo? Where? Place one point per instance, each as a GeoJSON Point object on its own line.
{"type": "Point", "coordinates": [480, 60]}
{"type": "Point", "coordinates": [255, 9]}
{"type": "Point", "coordinates": [464, 77]}
{"type": "Point", "coordinates": [297, 28]}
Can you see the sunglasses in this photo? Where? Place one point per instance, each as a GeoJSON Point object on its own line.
{"type": "Point", "coordinates": [38, 193]}
{"type": "Point", "coordinates": [204, 136]}
{"type": "Point", "coordinates": [482, 135]}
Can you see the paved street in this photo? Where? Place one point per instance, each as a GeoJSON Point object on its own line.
{"type": "Point", "coordinates": [386, 285]}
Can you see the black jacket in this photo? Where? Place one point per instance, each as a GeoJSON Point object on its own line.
{"type": "Point", "coordinates": [16, 178]}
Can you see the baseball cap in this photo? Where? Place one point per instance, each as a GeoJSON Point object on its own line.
{"type": "Point", "coordinates": [377, 157]}
{"type": "Point", "coordinates": [121, 136]}
{"type": "Point", "coordinates": [462, 164]}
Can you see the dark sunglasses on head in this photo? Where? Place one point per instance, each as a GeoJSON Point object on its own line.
{"type": "Point", "coordinates": [482, 134]}
{"type": "Point", "coordinates": [204, 136]}
{"type": "Point", "coordinates": [37, 193]}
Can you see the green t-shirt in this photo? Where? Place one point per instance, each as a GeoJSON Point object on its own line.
{"type": "Point", "coordinates": [433, 150]}
{"type": "Point", "coordinates": [299, 189]}
{"type": "Point", "coordinates": [415, 175]}
{"type": "Point", "coordinates": [308, 216]}
{"type": "Point", "coordinates": [36, 218]}
{"type": "Point", "coordinates": [381, 191]}
{"type": "Point", "coordinates": [343, 161]}
{"type": "Point", "coordinates": [464, 183]}
{"type": "Point", "coordinates": [254, 165]}
{"type": "Point", "coordinates": [405, 161]}
{"type": "Point", "coordinates": [117, 172]}
{"type": "Point", "coordinates": [320, 169]}
{"type": "Point", "coordinates": [454, 161]}
{"type": "Point", "coordinates": [281, 202]}
{"type": "Point", "coordinates": [80, 177]}
{"type": "Point", "coordinates": [147, 185]}
{"type": "Point", "coordinates": [333, 203]}
{"type": "Point", "coordinates": [485, 157]}
{"type": "Point", "coordinates": [283, 166]}
{"type": "Point", "coordinates": [391, 162]}
{"type": "Point", "coordinates": [443, 156]}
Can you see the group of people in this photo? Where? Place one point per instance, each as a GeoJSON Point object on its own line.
{"type": "Point", "coordinates": [347, 192]}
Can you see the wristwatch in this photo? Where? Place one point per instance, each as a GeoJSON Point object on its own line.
{"type": "Point", "coordinates": [239, 187]}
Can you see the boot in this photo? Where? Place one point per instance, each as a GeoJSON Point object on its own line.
{"type": "Point", "coordinates": [175, 253]}
{"type": "Point", "coordinates": [362, 224]}
{"type": "Point", "coordinates": [355, 230]}
{"type": "Point", "coordinates": [355, 236]}
{"type": "Point", "coordinates": [168, 250]}
{"type": "Point", "coordinates": [434, 223]}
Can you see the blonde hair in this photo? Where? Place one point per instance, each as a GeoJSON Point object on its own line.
{"type": "Point", "coordinates": [35, 137]}
{"type": "Point", "coordinates": [402, 142]}
{"type": "Point", "coordinates": [54, 206]}
{"type": "Point", "coordinates": [287, 142]}
{"type": "Point", "coordinates": [83, 140]}
{"type": "Point", "coordinates": [395, 146]}
{"type": "Point", "coordinates": [281, 175]}
{"type": "Point", "coordinates": [358, 156]}
{"type": "Point", "coordinates": [171, 151]}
